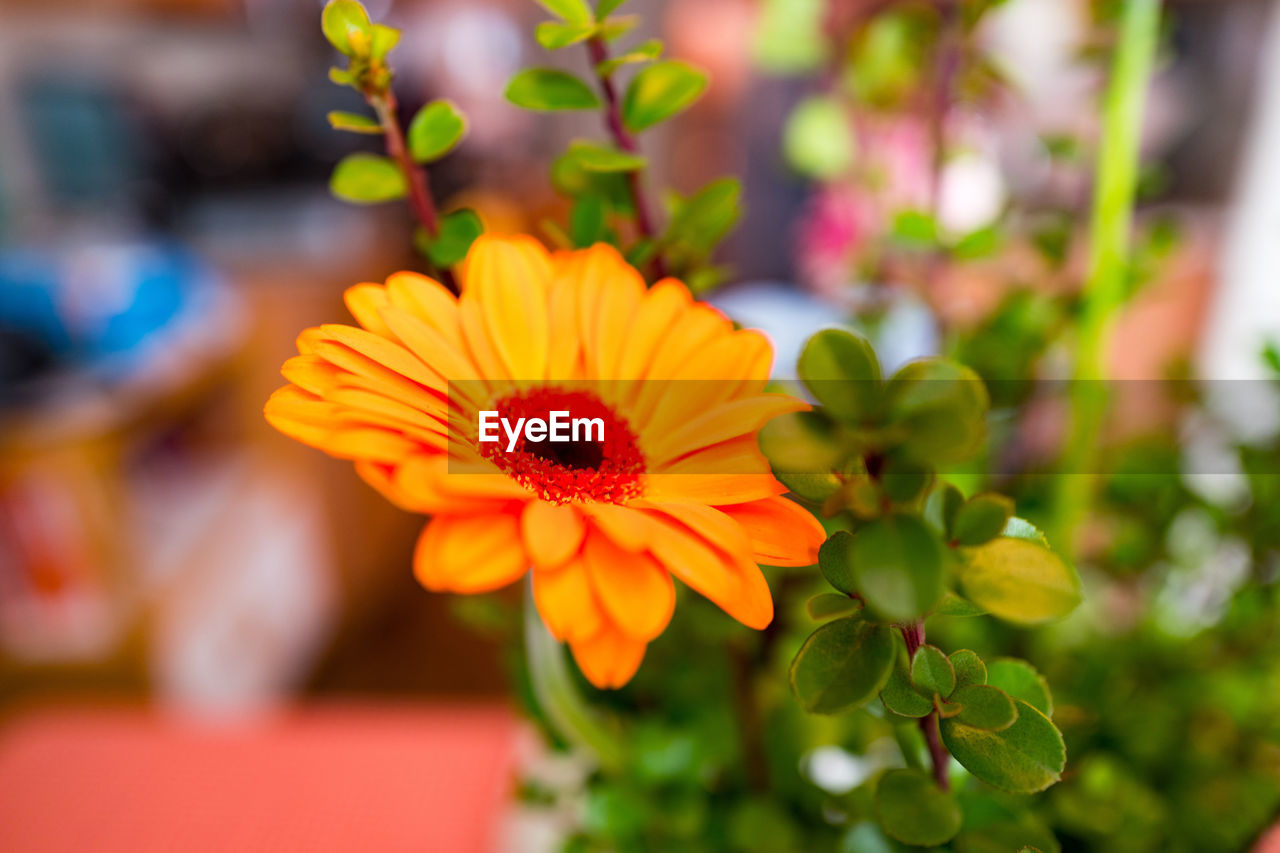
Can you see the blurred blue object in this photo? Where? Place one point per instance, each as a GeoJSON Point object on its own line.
{"type": "Point", "coordinates": [92, 308]}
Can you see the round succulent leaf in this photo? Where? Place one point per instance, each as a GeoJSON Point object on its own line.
{"type": "Point", "coordinates": [981, 519]}
{"type": "Point", "coordinates": [969, 668]}
{"type": "Point", "coordinates": [898, 567]}
{"type": "Point", "coordinates": [938, 410]}
{"type": "Point", "coordinates": [984, 707]}
{"type": "Point", "coordinates": [842, 372]}
{"type": "Point", "coordinates": [903, 480]}
{"type": "Point", "coordinates": [835, 560]}
{"type": "Point", "coordinates": [340, 20]}
{"type": "Point", "coordinates": [899, 696]}
{"type": "Point", "coordinates": [931, 672]}
{"type": "Point", "coordinates": [803, 449]}
{"type": "Point", "coordinates": [1025, 758]}
{"type": "Point", "coordinates": [1022, 681]}
{"type": "Point", "coordinates": [458, 230]}
{"type": "Point", "coordinates": [826, 605]}
{"type": "Point", "coordinates": [842, 665]}
{"type": "Point", "coordinates": [1019, 581]}
{"type": "Point", "coordinates": [913, 809]}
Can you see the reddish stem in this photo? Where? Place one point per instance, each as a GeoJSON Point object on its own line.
{"type": "Point", "coordinates": [420, 202]}
{"type": "Point", "coordinates": [914, 636]}
{"type": "Point", "coordinates": [599, 52]}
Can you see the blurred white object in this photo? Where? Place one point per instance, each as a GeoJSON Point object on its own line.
{"type": "Point", "coordinates": [1246, 308]}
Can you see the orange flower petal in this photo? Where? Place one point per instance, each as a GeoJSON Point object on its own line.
{"type": "Point", "coordinates": [721, 423]}
{"type": "Point", "coordinates": [470, 554]}
{"type": "Point", "coordinates": [384, 352]}
{"type": "Point", "coordinates": [608, 659]}
{"type": "Point", "coordinates": [364, 301]}
{"type": "Point", "coordinates": [566, 602]}
{"type": "Point", "coordinates": [636, 592]}
{"type": "Point", "coordinates": [429, 301]}
{"type": "Point", "coordinates": [552, 533]}
{"type": "Point", "coordinates": [782, 532]}
{"type": "Point", "coordinates": [508, 278]}
{"type": "Point", "coordinates": [735, 585]}
{"type": "Point", "coordinates": [625, 526]}
{"type": "Point", "coordinates": [718, 489]}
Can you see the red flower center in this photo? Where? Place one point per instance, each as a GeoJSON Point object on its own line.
{"type": "Point", "coordinates": [586, 467]}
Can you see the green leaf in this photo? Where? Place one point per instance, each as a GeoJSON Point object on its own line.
{"type": "Point", "coordinates": [588, 220]}
{"type": "Point", "coordinates": [383, 40]}
{"type": "Point", "coordinates": [1025, 758]}
{"type": "Point", "coordinates": [903, 480]}
{"type": "Point", "coordinates": [899, 696]}
{"type": "Point", "coordinates": [339, 20]}
{"type": "Point", "coordinates": [548, 90]}
{"type": "Point", "coordinates": [602, 158]}
{"type": "Point", "coordinates": [825, 605]}
{"type": "Point", "coordinates": [642, 52]}
{"type": "Point", "coordinates": [554, 35]}
{"type": "Point", "coordinates": [835, 560]}
{"type": "Point", "coordinates": [840, 369]}
{"type": "Point", "coordinates": [817, 138]}
{"type": "Point", "coordinates": [659, 92]}
{"type": "Point", "coordinates": [615, 28]}
{"type": "Point", "coordinates": [1021, 681]}
{"type": "Point", "coordinates": [435, 131]}
{"type": "Point", "coordinates": [931, 672]}
{"type": "Point", "coordinates": [954, 605]}
{"type": "Point", "coordinates": [913, 809]}
{"type": "Point", "coordinates": [978, 244]}
{"type": "Point", "coordinates": [897, 567]}
{"type": "Point", "coordinates": [1019, 581]}
{"type": "Point", "coordinates": [984, 707]}
{"type": "Point", "coordinates": [915, 229]}
{"type": "Point", "coordinates": [804, 451]}
{"type": "Point", "coordinates": [938, 410]}
{"type": "Point", "coordinates": [457, 232]}
{"type": "Point", "coordinates": [367, 179]}
{"type": "Point", "coordinates": [703, 219]}
{"type": "Point", "coordinates": [969, 668]}
{"type": "Point", "coordinates": [981, 519]}
{"type": "Point", "coordinates": [353, 122]}
{"type": "Point", "coordinates": [1020, 528]}
{"type": "Point", "coordinates": [604, 7]}
{"type": "Point", "coordinates": [941, 507]}
{"type": "Point", "coordinates": [842, 665]}
{"type": "Point", "coordinates": [342, 77]}
{"type": "Point", "coordinates": [574, 11]}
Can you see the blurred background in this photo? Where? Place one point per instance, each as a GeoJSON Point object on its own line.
{"type": "Point", "coordinates": [171, 566]}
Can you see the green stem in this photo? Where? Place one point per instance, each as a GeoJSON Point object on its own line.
{"type": "Point", "coordinates": [559, 698]}
{"type": "Point", "coordinates": [1109, 245]}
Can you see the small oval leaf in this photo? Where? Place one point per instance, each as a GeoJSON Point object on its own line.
{"type": "Point", "coordinates": [842, 665]}
{"type": "Point", "coordinates": [836, 563]}
{"type": "Point", "coordinates": [981, 519]}
{"type": "Point", "coordinates": [931, 672]}
{"type": "Point", "coordinates": [898, 567]}
{"type": "Point", "coordinates": [825, 605]}
{"type": "Point", "coordinates": [458, 230]}
{"type": "Point", "coordinates": [899, 696]}
{"type": "Point", "coordinates": [984, 707]}
{"type": "Point", "coordinates": [603, 158]}
{"type": "Point", "coordinates": [659, 92]}
{"type": "Point", "coordinates": [840, 369]}
{"type": "Point", "coordinates": [1021, 681]}
{"type": "Point", "coordinates": [367, 179]}
{"type": "Point", "coordinates": [1019, 581]}
{"type": "Point", "coordinates": [435, 131]}
{"type": "Point", "coordinates": [969, 668]}
{"type": "Point", "coordinates": [1025, 758]}
{"type": "Point", "coordinates": [913, 809]}
{"type": "Point", "coordinates": [548, 90]}
{"type": "Point", "coordinates": [353, 122]}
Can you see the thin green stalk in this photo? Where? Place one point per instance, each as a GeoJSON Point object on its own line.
{"type": "Point", "coordinates": [558, 696]}
{"type": "Point", "coordinates": [1109, 249]}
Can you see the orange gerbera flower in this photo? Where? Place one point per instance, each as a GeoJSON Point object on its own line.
{"type": "Point", "coordinates": [677, 487]}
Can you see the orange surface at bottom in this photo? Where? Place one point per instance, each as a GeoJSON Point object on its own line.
{"type": "Point", "coordinates": [318, 779]}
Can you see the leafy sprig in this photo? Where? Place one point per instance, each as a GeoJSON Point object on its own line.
{"type": "Point", "coordinates": [435, 131]}
{"type": "Point", "coordinates": [606, 180]}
